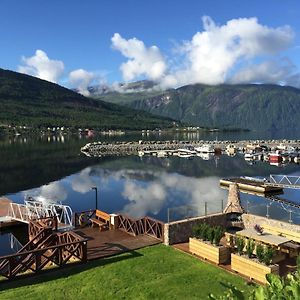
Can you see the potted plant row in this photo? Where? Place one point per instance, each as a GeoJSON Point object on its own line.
{"type": "Point", "coordinates": [206, 243]}
{"type": "Point", "coordinates": [253, 260]}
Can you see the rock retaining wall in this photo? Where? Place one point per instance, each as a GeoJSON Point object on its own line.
{"type": "Point", "coordinates": [180, 231]}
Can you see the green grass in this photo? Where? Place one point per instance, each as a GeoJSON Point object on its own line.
{"type": "Point", "coordinates": [157, 272]}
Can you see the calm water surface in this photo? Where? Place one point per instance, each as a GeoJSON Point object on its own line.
{"type": "Point", "coordinates": [53, 169]}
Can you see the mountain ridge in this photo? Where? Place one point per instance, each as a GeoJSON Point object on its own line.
{"type": "Point", "coordinates": [245, 106]}
{"type": "Point", "coordinates": [27, 100]}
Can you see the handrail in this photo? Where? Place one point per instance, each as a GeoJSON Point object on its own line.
{"type": "Point", "coordinates": [42, 250]}
{"type": "Point", "coordinates": [145, 225]}
{"type": "Point", "coordinates": [35, 260]}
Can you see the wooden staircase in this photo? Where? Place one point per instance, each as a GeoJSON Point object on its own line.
{"type": "Point", "coordinates": [46, 247]}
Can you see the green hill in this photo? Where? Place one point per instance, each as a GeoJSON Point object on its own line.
{"type": "Point", "coordinates": [26, 100]}
{"type": "Point", "coordinates": [251, 106]}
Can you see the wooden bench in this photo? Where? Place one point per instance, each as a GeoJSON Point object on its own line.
{"type": "Point", "coordinates": [292, 235]}
{"type": "Point", "coordinates": [101, 219]}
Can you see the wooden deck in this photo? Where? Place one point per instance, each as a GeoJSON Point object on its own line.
{"type": "Point", "coordinates": [107, 243]}
{"type": "Point", "coordinates": [4, 205]}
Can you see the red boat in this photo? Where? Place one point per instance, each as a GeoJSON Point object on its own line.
{"type": "Point", "coordinates": [275, 157]}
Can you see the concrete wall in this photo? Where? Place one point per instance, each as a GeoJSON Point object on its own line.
{"type": "Point", "coordinates": [180, 231]}
{"type": "Point", "coordinates": [250, 220]}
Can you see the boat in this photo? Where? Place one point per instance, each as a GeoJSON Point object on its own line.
{"type": "Point", "coordinates": [249, 156]}
{"type": "Point", "coordinates": [162, 153]}
{"type": "Point", "coordinates": [205, 148]}
{"type": "Point", "coordinates": [275, 157]}
{"type": "Point", "coordinates": [205, 156]}
{"type": "Point", "coordinates": [186, 152]}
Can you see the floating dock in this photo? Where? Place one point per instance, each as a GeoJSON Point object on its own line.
{"type": "Point", "coordinates": [251, 185]}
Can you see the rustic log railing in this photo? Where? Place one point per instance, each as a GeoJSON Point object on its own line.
{"type": "Point", "coordinates": [144, 225]}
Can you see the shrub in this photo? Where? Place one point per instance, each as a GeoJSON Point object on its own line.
{"type": "Point", "coordinates": [240, 244]}
{"type": "Point", "coordinates": [211, 234]}
{"type": "Point", "coordinates": [260, 252]}
{"type": "Point", "coordinates": [268, 255]}
{"type": "Point", "coordinates": [196, 231]}
{"type": "Point", "coordinates": [219, 233]}
{"type": "Point", "coordinates": [250, 247]}
{"type": "Point", "coordinates": [204, 231]}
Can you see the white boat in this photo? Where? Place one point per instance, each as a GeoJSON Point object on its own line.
{"type": "Point", "coordinates": [205, 148]}
{"type": "Point", "coordinates": [162, 153]}
{"type": "Point", "coordinates": [188, 150]}
{"type": "Point", "coordinates": [248, 156]}
{"type": "Point", "coordinates": [205, 156]}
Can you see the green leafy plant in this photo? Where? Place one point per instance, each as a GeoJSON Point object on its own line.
{"type": "Point", "coordinates": [250, 248]}
{"type": "Point", "coordinates": [211, 234]}
{"type": "Point", "coordinates": [268, 255]}
{"type": "Point", "coordinates": [204, 231]}
{"type": "Point", "coordinates": [219, 233]}
{"type": "Point", "coordinates": [196, 231]}
{"type": "Point", "coordinates": [240, 244]}
{"type": "Point", "coordinates": [260, 252]}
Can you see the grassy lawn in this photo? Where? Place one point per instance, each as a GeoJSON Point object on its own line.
{"type": "Point", "coordinates": [157, 272]}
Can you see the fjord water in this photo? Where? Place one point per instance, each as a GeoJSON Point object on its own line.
{"type": "Point", "coordinates": [52, 167]}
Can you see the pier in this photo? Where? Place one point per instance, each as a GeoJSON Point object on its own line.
{"type": "Point", "coordinates": [98, 149]}
{"type": "Point", "coordinates": [252, 185]}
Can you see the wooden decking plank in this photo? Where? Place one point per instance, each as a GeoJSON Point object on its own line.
{"type": "Point", "coordinates": [111, 242]}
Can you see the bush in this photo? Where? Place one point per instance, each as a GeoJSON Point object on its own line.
{"type": "Point", "coordinates": [260, 252]}
{"type": "Point", "coordinates": [204, 231]}
{"type": "Point", "coordinates": [211, 234]}
{"type": "Point", "coordinates": [196, 231]}
{"type": "Point", "coordinates": [250, 247]}
{"type": "Point", "coordinates": [219, 233]}
{"type": "Point", "coordinates": [240, 244]}
{"type": "Point", "coordinates": [268, 255]}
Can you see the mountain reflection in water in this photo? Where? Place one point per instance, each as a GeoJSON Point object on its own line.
{"type": "Point", "coordinates": [56, 171]}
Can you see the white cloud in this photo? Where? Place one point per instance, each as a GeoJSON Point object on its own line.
{"type": "Point", "coordinates": [39, 65]}
{"type": "Point", "coordinates": [143, 200]}
{"type": "Point", "coordinates": [141, 60]}
{"type": "Point", "coordinates": [83, 182]}
{"type": "Point", "coordinates": [53, 192]}
{"type": "Point", "coordinates": [269, 72]}
{"type": "Point", "coordinates": [81, 80]}
{"type": "Point", "coordinates": [216, 55]}
{"type": "Point", "coordinates": [212, 54]}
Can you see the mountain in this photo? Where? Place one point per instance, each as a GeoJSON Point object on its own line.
{"type": "Point", "coordinates": [250, 106]}
{"type": "Point", "coordinates": [26, 100]}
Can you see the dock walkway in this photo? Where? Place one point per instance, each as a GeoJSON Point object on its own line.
{"type": "Point", "coordinates": [107, 243]}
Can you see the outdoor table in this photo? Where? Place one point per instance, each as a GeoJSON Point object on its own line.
{"type": "Point", "coordinates": [267, 238]}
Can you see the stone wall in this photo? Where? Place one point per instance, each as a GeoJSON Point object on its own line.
{"type": "Point", "coordinates": [250, 220]}
{"type": "Point", "coordinates": [180, 231]}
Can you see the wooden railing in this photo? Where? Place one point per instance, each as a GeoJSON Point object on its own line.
{"type": "Point", "coordinates": [49, 223]}
{"type": "Point", "coordinates": [46, 247]}
{"type": "Point", "coordinates": [36, 260]}
{"type": "Point", "coordinates": [144, 225]}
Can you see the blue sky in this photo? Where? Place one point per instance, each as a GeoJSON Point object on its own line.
{"type": "Point", "coordinates": [78, 34]}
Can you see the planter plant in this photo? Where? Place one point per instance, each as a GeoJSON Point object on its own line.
{"type": "Point", "coordinates": [206, 243]}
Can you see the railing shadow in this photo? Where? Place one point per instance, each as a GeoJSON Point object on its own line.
{"type": "Point", "coordinates": [68, 270]}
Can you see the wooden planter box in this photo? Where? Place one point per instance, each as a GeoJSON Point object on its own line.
{"type": "Point", "coordinates": [252, 268]}
{"type": "Point", "coordinates": [218, 255]}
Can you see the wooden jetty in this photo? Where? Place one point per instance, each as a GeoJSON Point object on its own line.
{"type": "Point", "coordinates": [254, 186]}
{"type": "Point", "coordinates": [48, 247]}
{"type": "Point", "coordinates": [102, 244]}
